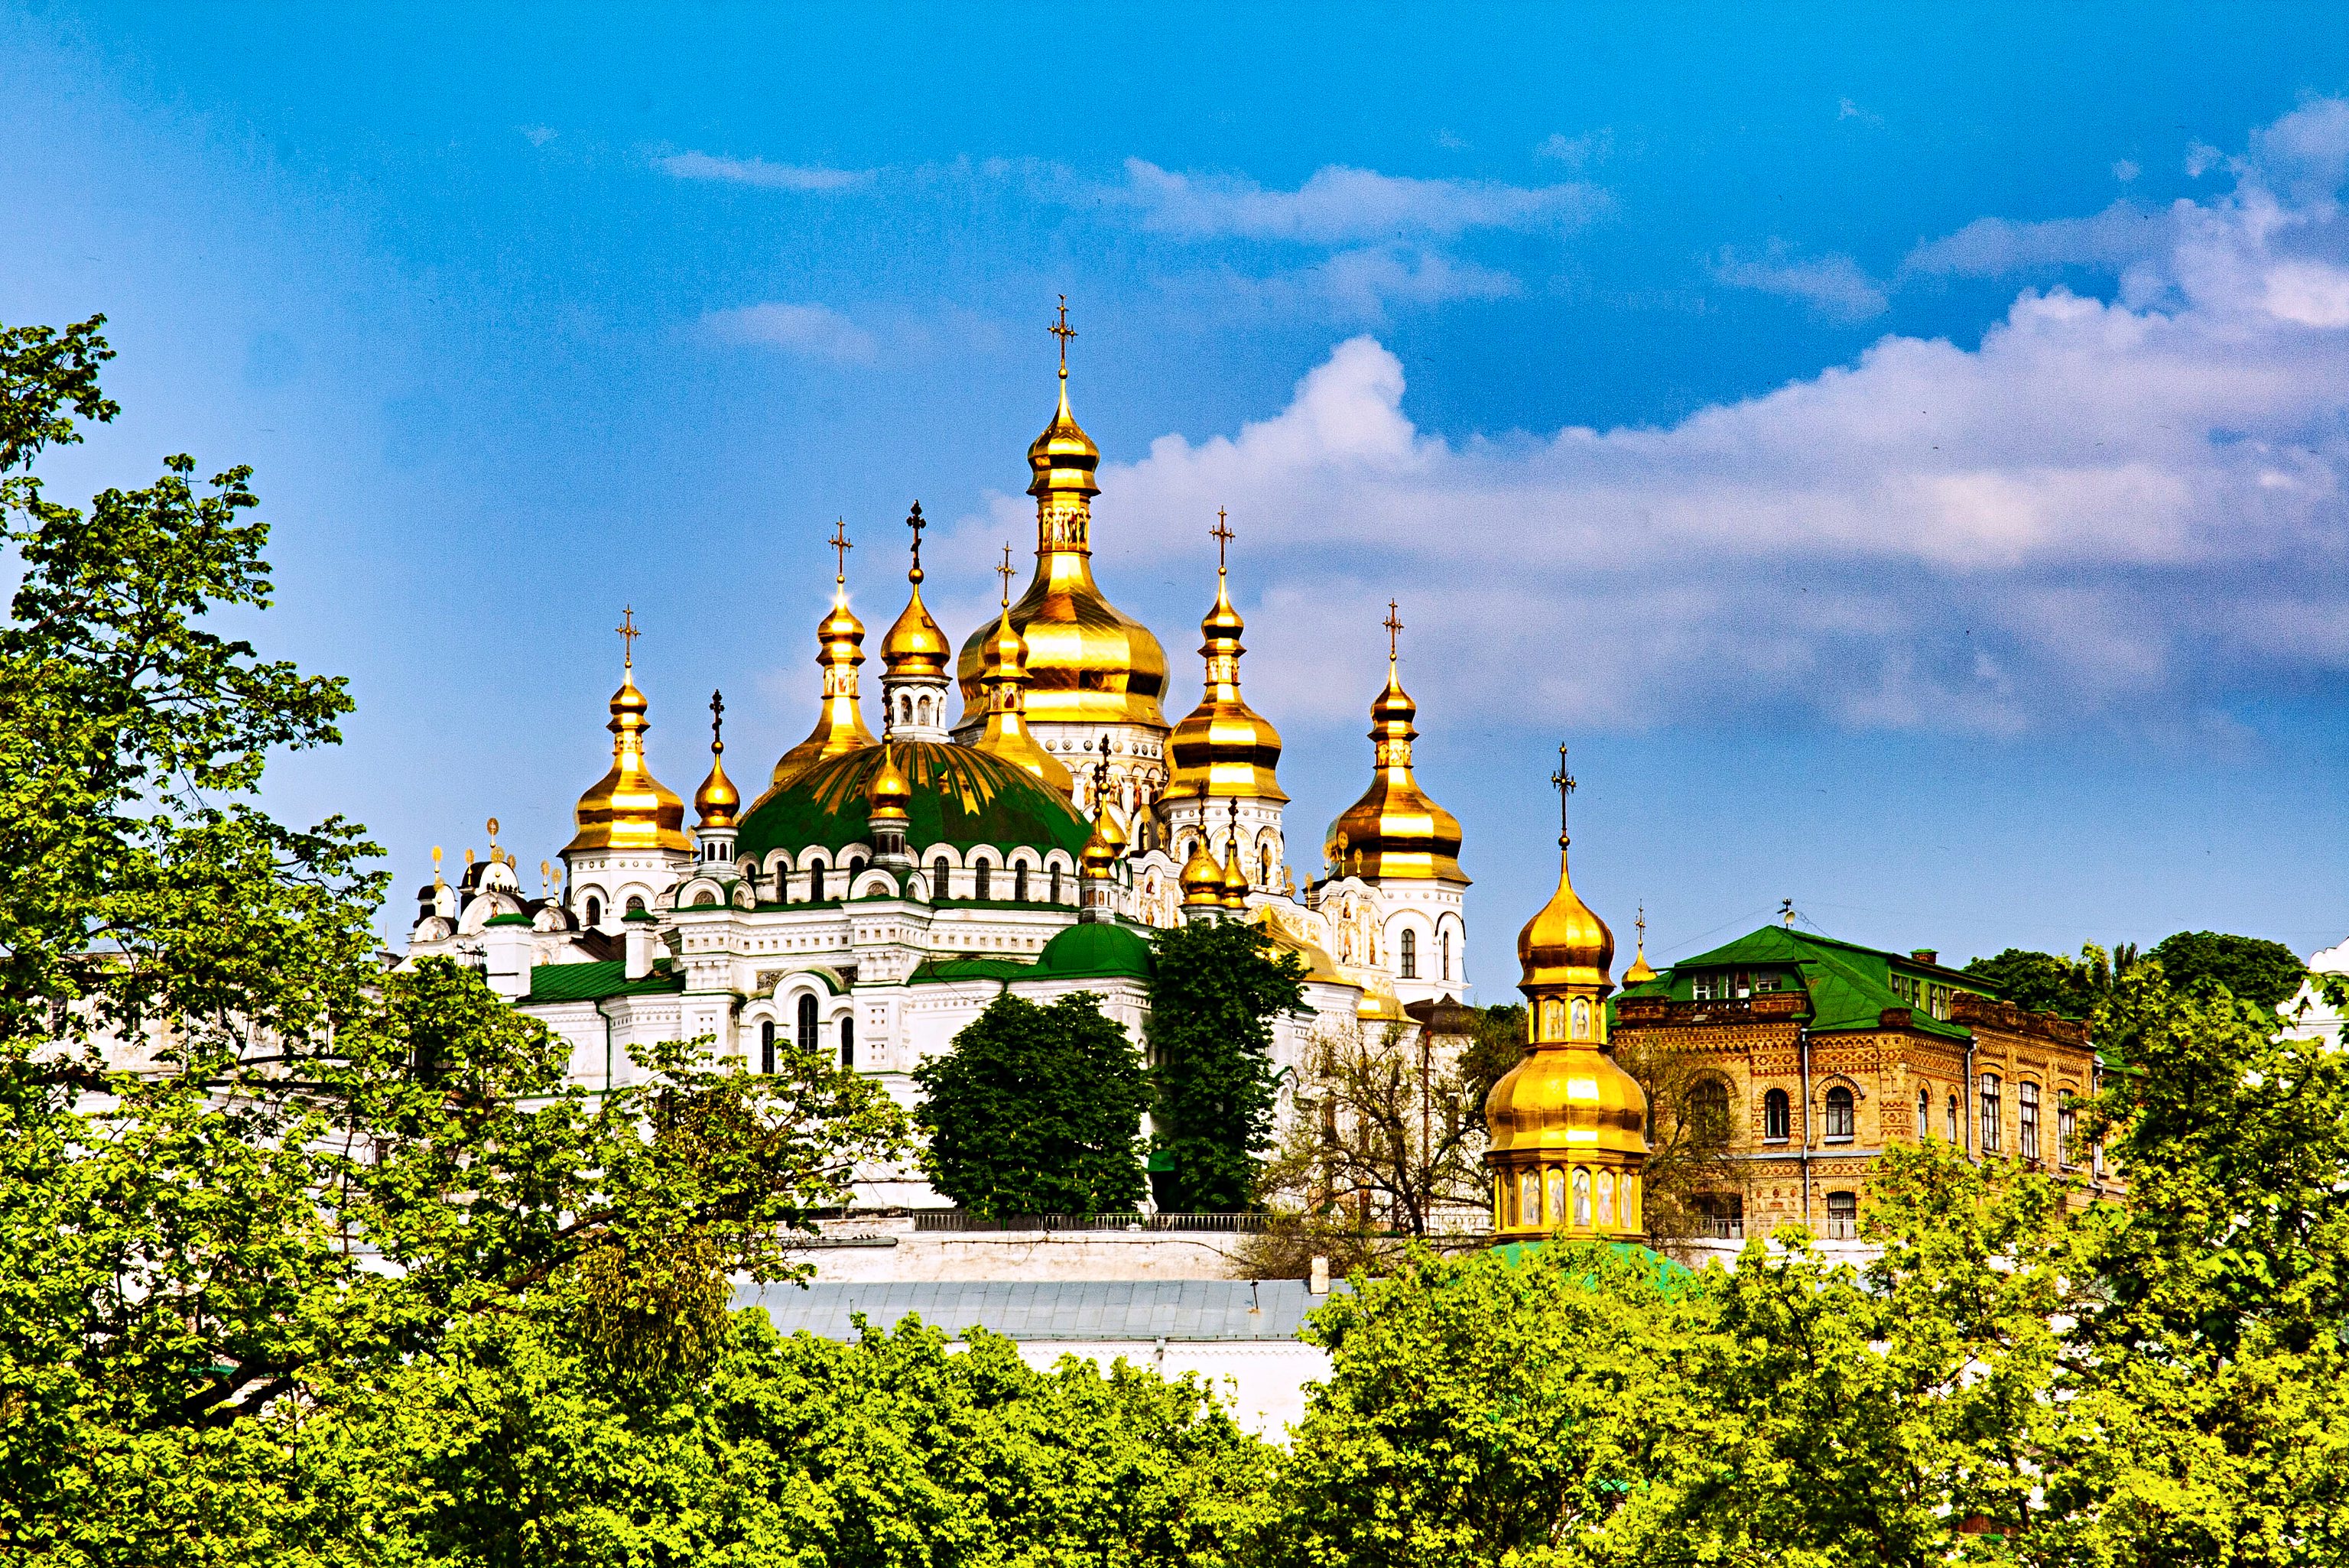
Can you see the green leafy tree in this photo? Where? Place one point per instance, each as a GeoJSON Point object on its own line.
{"type": "Point", "coordinates": [2249, 967]}
{"type": "Point", "coordinates": [1214, 991]}
{"type": "Point", "coordinates": [1037, 1111]}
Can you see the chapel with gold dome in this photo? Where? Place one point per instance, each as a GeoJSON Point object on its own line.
{"type": "Point", "coordinates": [1022, 821]}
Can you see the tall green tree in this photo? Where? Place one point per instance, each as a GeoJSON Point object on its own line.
{"type": "Point", "coordinates": [2250, 968]}
{"type": "Point", "coordinates": [1036, 1110]}
{"type": "Point", "coordinates": [1214, 990]}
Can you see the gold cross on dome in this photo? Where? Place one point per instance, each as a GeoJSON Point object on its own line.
{"type": "Point", "coordinates": [840, 549]}
{"type": "Point", "coordinates": [1394, 624]}
{"type": "Point", "coordinates": [628, 635]}
{"type": "Point", "coordinates": [1004, 571]}
{"type": "Point", "coordinates": [1222, 534]}
{"type": "Point", "coordinates": [1063, 331]}
{"type": "Point", "coordinates": [916, 521]}
{"type": "Point", "coordinates": [1564, 782]}
{"type": "Point", "coordinates": [717, 721]}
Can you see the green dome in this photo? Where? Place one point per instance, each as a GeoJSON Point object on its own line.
{"type": "Point", "coordinates": [1105, 950]}
{"type": "Point", "coordinates": [962, 796]}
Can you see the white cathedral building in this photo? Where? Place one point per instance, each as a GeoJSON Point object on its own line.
{"type": "Point", "coordinates": [880, 891]}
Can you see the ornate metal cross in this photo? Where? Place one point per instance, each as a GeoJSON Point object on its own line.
{"type": "Point", "coordinates": [1222, 534]}
{"type": "Point", "coordinates": [1004, 571]}
{"type": "Point", "coordinates": [717, 721]}
{"type": "Point", "coordinates": [840, 549]}
{"type": "Point", "coordinates": [1564, 782]}
{"type": "Point", "coordinates": [628, 635]}
{"type": "Point", "coordinates": [1063, 331]}
{"type": "Point", "coordinates": [1394, 624]}
{"type": "Point", "coordinates": [916, 521]}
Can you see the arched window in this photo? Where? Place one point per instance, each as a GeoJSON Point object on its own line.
{"type": "Point", "coordinates": [2067, 1124]}
{"type": "Point", "coordinates": [1990, 1113]}
{"type": "Point", "coordinates": [1019, 886]}
{"type": "Point", "coordinates": [1264, 866]}
{"type": "Point", "coordinates": [595, 911]}
{"type": "Point", "coordinates": [1443, 942]}
{"type": "Point", "coordinates": [1528, 1198]}
{"type": "Point", "coordinates": [1555, 1214]}
{"type": "Point", "coordinates": [847, 1040]}
{"type": "Point", "coordinates": [1843, 1216]}
{"type": "Point", "coordinates": [979, 885]}
{"type": "Point", "coordinates": [922, 708]}
{"type": "Point", "coordinates": [1709, 1112]}
{"type": "Point", "coordinates": [1607, 1199]}
{"type": "Point", "coordinates": [767, 1046]}
{"type": "Point", "coordinates": [1553, 1019]}
{"type": "Point", "coordinates": [1582, 1018]}
{"type": "Point", "coordinates": [782, 882]}
{"type": "Point", "coordinates": [807, 1025]}
{"type": "Point", "coordinates": [1410, 960]}
{"type": "Point", "coordinates": [1775, 1117]}
{"type": "Point", "coordinates": [816, 869]}
{"type": "Point", "coordinates": [1838, 1115]}
{"type": "Point", "coordinates": [1924, 1114]}
{"type": "Point", "coordinates": [1582, 1199]}
{"type": "Point", "coordinates": [856, 865]}
{"type": "Point", "coordinates": [2026, 1114]}
{"type": "Point", "coordinates": [1053, 887]}
{"type": "Point", "coordinates": [938, 874]}
{"type": "Point", "coordinates": [635, 904]}
{"type": "Point", "coordinates": [1953, 1118]}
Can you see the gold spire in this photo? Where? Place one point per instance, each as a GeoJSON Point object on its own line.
{"type": "Point", "coordinates": [718, 803]}
{"type": "Point", "coordinates": [1006, 734]}
{"type": "Point", "coordinates": [887, 795]}
{"type": "Point", "coordinates": [629, 809]}
{"type": "Point", "coordinates": [1235, 875]}
{"type": "Point", "coordinates": [1395, 830]}
{"type": "Point", "coordinates": [1568, 1126]}
{"type": "Point", "coordinates": [1223, 747]}
{"type": "Point", "coordinates": [1088, 662]}
{"type": "Point", "coordinates": [839, 648]}
{"type": "Point", "coordinates": [1640, 974]}
{"type": "Point", "coordinates": [915, 646]}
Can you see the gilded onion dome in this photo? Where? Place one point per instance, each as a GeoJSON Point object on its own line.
{"type": "Point", "coordinates": [840, 726]}
{"type": "Point", "coordinates": [1088, 661]}
{"type": "Point", "coordinates": [1006, 683]}
{"type": "Point", "coordinates": [718, 803]}
{"type": "Point", "coordinates": [1394, 829]}
{"type": "Point", "coordinates": [1223, 747]}
{"type": "Point", "coordinates": [1235, 878]}
{"type": "Point", "coordinates": [1568, 1126]}
{"type": "Point", "coordinates": [629, 809]}
{"type": "Point", "coordinates": [1106, 847]}
{"type": "Point", "coordinates": [887, 794]}
{"type": "Point", "coordinates": [1640, 974]}
{"type": "Point", "coordinates": [1203, 878]}
{"type": "Point", "coordinates": [915, 646]}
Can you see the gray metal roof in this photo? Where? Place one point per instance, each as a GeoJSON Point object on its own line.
{"type": "Point", "coordinates": [1142, 1310]}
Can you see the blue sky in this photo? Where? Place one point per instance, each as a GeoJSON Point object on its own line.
{"type": "Point", "coordinates": [1907, 465]}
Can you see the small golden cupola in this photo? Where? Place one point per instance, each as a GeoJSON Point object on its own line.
{"type": "Point", "coordinates": [629, 809]}
{"type": "Point", "coordinates": [1007, 734]}
{"type": "Point", "coordinates": [1224, 747]}
{"type": "Point", "coordinates": [1395, 830]}
{"type": "Point", "coordinates": [1640, 974]}
{"type": "Point", "coordinates": [914, 680]}
{"type": "Point", "coordinates": [1088, 662]}
{"type": "Point", "coordinates": [1235, 871]}
{"type": "Point", "coordinates": [1202, 878]}
{"type": "Point", "coordinates": [1568, 1125]}
{"type": "Point", "coordinates": [839, 648]}
{"type": "Point", "coordinates": [717, 805]}
{"type": "Point", "coordinates": [885, 800]}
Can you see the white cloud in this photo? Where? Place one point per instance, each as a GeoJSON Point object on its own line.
{"type": "Point", "coordinates": [759, 171]}
{"type": "Point", "coordinates": [2123, 510]}
{"type": "Point", "coordinates": [1577, 151]}
{"type": "Point", "coordinates": [2126, 169]}
{"type": "Point", "coordinates": [1343, 206]}
{"type": "Point", "coordinates": [1995, 247]}
{"type": "Point", "coordinates": [1360, 286]}
{"type": "Point", "coordinates": [816, 331]}
{"type": "Point", "coordinates": [1847, 109]}
{"type": "Point", "coordinates": [1834, 285]}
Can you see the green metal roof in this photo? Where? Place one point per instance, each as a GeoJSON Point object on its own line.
{"type": "Point", "coordinates": [595, 982]}
{"type": "Point", "coordinates": [1850, 985]}
{"type": "Point", "coordinates": [1104, 950]}
{"type": "Point", "coordinates": [961, 796]}
{"type": "Point", "coordinates": [934, 970]}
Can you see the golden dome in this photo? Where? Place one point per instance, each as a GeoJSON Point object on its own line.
{"type": "Point", "coordinates": [1235, 878]}
{"type": "Point", "coordinates": [1203, 877]}
{"type": "Point", "coordinates": [1007, 734]}
{"type": "Point", "coordinates": [840, 726]}
{"type": "Point", "coordinates": [718, 803]}
{"type": "Point", "coordinates": [1223, 747]}
{"type": "Point", "coordinates": [1106, 847]}
{"type": "Point", "coordinates": [1640, 974]}
{"type": "Point", "coordinates": [1573, 1101]}
{"type": "Point", "coordinates": [1088, 662]}
{"type": "Point", "coordinates": [629, 809]}
{"type": "Point", "coordinates": [888, 794]}
{"type": "Point", "coordinates": [914, 645]}
{"type": "Point", "coordinates": [1565, 943]}
{"type": "Point", "coordinates": [1394, 829]}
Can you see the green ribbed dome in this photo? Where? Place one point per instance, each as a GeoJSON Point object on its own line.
{"type": "Point", "coordinates": [961, 796]}
{"type": "Point", "coordinates": [1105, 950]}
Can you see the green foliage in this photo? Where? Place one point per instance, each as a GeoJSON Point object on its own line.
{"type": "Point", "coordinates": [1036, 1110]}
{"type": "Point", "coordinates": [2046, 983]}
{"type": "Point", "coordinates": [2249, 967]}
{"type": "Point", "coordinates": [1216, 987]}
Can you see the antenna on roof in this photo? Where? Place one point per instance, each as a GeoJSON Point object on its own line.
{"type": "Point", "coordinates": [1786, 913]}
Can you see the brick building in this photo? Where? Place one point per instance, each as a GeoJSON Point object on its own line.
{"type": "Point", "coordinates": [1817, 1054]}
